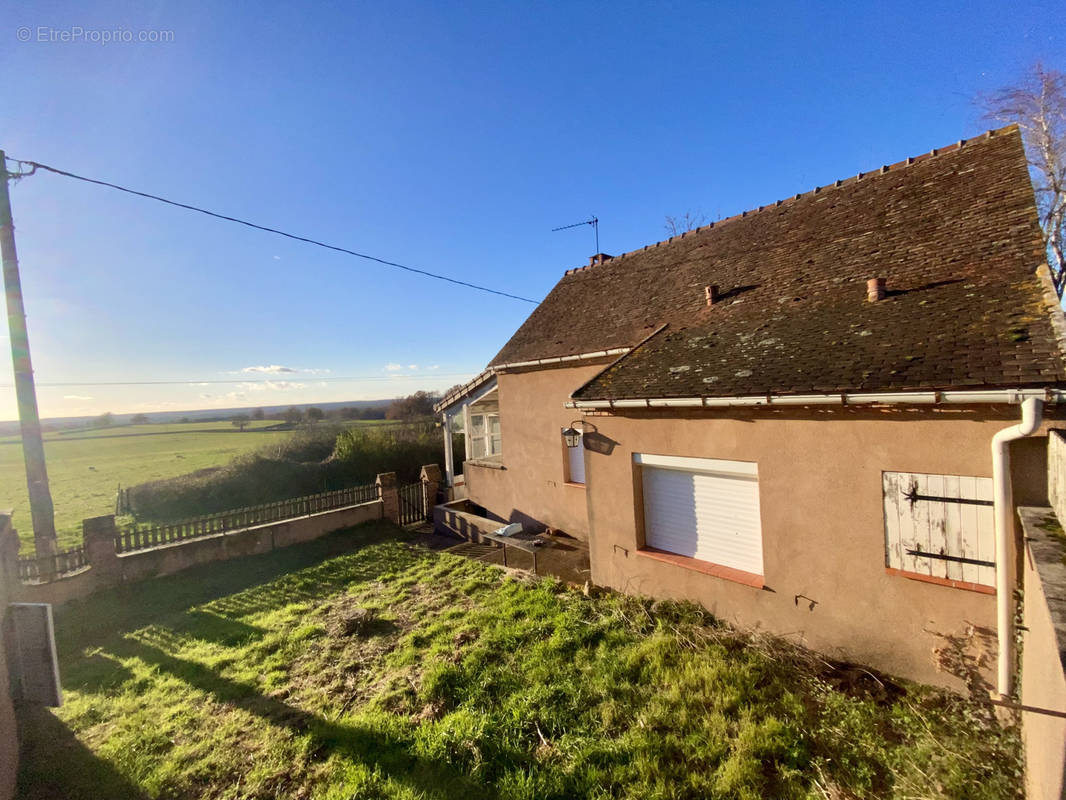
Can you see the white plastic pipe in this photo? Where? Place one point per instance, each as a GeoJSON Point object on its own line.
{"type": "Point", "coordinates": [449, 456]}
{"type": "Point", "coordinates": [1004, 514]}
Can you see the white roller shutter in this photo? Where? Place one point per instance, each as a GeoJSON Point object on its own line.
{"type": "Point", "coordinates": [704, 508]}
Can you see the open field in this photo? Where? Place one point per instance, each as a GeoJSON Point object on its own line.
{"type": "Point", "coordinates": [364, 666]}
{"type": "Point", "coordinates": [86, 466]}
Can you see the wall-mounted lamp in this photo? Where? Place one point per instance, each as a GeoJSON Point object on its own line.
{"type": "Point", "coordinates": [571, 435]}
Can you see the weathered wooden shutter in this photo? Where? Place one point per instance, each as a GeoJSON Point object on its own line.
{"type": "Point", "coordinates": [940, 526]}
{"type": "Point", "coordinates": [31, 654]}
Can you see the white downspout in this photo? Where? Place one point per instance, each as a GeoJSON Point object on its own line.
{"type": "Point", "coordinates": [449, 457]}
{"type": "Point", "coordinates": [1004, 515]}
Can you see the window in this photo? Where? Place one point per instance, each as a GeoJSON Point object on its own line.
{"type": "Point", "coordinates": [705, 509]}
{"type": "Point", "coordinates": [940, 528]}
{"type": "Point", "coordinates": [575, 461]}
{"type": "Point", "coordinates": [485, 438]}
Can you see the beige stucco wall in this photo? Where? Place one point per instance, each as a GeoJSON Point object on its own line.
{"type": "Point", "coordinates": [822, 526]}
{"type": "Point", "coordinates": [821, 506]}
{"type": "Point", "coordinates": [532, 488]}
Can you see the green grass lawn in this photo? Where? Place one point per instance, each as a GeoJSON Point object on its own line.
{"type": "Point", "coordinates": [85, 467]}
{"type": "Point", "coordinates": [363, 666]}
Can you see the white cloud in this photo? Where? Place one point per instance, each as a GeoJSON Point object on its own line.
{"type": "Point", "coordinates": [76, 397]}
{"type": "Point", "coordinates": [272, 369]}
{"type": "Point", "coordinates": [316, 371]}
{"type": "Point", "coordinates": [271, 386]}
{"type": "Point", "coordinates": [435, 366]}
{"type": "Point", "coordinates": [393, 367]}
{"type": "Point", "coordinates": [277, 258]}
{"type": "Point", "coordinates": [412, 366]}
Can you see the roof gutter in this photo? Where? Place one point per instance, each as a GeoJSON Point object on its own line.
{"type": "Point", "coordinates": [492, 370]}
{"type": "Point", "coordinates": [618, 351]}
{"type": "Point", "coordinates": [996, 396]}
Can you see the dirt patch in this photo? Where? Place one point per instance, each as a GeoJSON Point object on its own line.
{"type": "Point", "coordinates": [353, 620]}
{"type": "Point", "coordinates": [862, 683]}
{"type": "Point", "coordinates": [349, 664]}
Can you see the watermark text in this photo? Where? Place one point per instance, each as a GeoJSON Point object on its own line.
{"type": "Point", "coordinates": [76, 34]}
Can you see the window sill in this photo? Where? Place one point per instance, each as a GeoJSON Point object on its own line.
{"type": "Point", "coordinates": [575, 485]}
{"type": "Point", "coordinates": [484, 462]}
{"type": "Point", "coordinates": [706, 567]}
{"type": "Point", "coordinates": [980, 588]}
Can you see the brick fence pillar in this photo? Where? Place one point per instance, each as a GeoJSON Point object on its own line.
{"type": "Point", "coordinates": [389, 493]}
{"type": "Point", "coordinates": [431, 480]}
{"type": "Point", "coordinates": [9, 558]}
{"type": "Point", "coordinates": [98, 535]}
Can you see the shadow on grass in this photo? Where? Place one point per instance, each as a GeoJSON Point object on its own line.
{"type": "Point", "coordinates": [54, 764]}
{"type": "Point", "coordinates": [204, 603]}
{"type": "Point", "coordinates": [376, 748]}
{"type": "Point", "coordinates": [93, 620]}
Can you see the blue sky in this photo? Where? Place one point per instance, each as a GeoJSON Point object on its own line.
{"type": "Point", "coordinates": [451, 137]}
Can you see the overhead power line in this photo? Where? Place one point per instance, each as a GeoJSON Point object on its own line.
{"type": "Point", "coordinates": [285, 378]}
{"type": "Point", "coordinates": [35, 165]}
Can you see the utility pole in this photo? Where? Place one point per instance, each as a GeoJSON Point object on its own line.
{"type": "Point", "coordinates": [41, 509]}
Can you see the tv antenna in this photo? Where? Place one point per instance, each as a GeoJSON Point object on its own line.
{"type": "Point", "coordinates": [594, 222]}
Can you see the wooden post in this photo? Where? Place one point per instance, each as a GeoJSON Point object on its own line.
{"type": "Point", "coordinates": [41, 509]}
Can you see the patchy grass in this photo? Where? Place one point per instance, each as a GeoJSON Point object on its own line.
{"type": "Point", "coordinates": [392, 672]}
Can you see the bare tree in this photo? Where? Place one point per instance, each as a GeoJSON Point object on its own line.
{"type": "Point", "coordinates": [689, 222]}
{"type": "Point", "coordinates": [1038, 105]}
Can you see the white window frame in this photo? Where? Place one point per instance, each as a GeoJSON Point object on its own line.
{"type": "Point", "coordinates": [575, 453]}
{"type": "Point", "coordinates": [485, 443]}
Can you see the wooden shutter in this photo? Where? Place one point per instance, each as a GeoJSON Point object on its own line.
{"type": "Point", "coordinates": [704, 508]}
{"type": "Point", "coordinates": [948, 518]}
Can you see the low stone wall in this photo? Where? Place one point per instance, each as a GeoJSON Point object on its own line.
{"type": "Point", "coordinates": [458, 518]}
{"type": "Point", "coordinates": [1043, 680]}
{"type": "Point", "coordinates": [109, 568]}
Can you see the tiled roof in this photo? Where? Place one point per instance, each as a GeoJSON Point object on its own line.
{"type": "Point", "coordinates": [954, 233]}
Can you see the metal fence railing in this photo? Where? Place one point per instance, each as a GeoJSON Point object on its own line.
{"type": "Point", "coordinates": [140, 538]}
{"type": "Point", "coordinates": [62, 563]}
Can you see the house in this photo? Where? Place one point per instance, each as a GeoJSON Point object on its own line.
{"type": "Point", "coordinates": [788, 416]}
